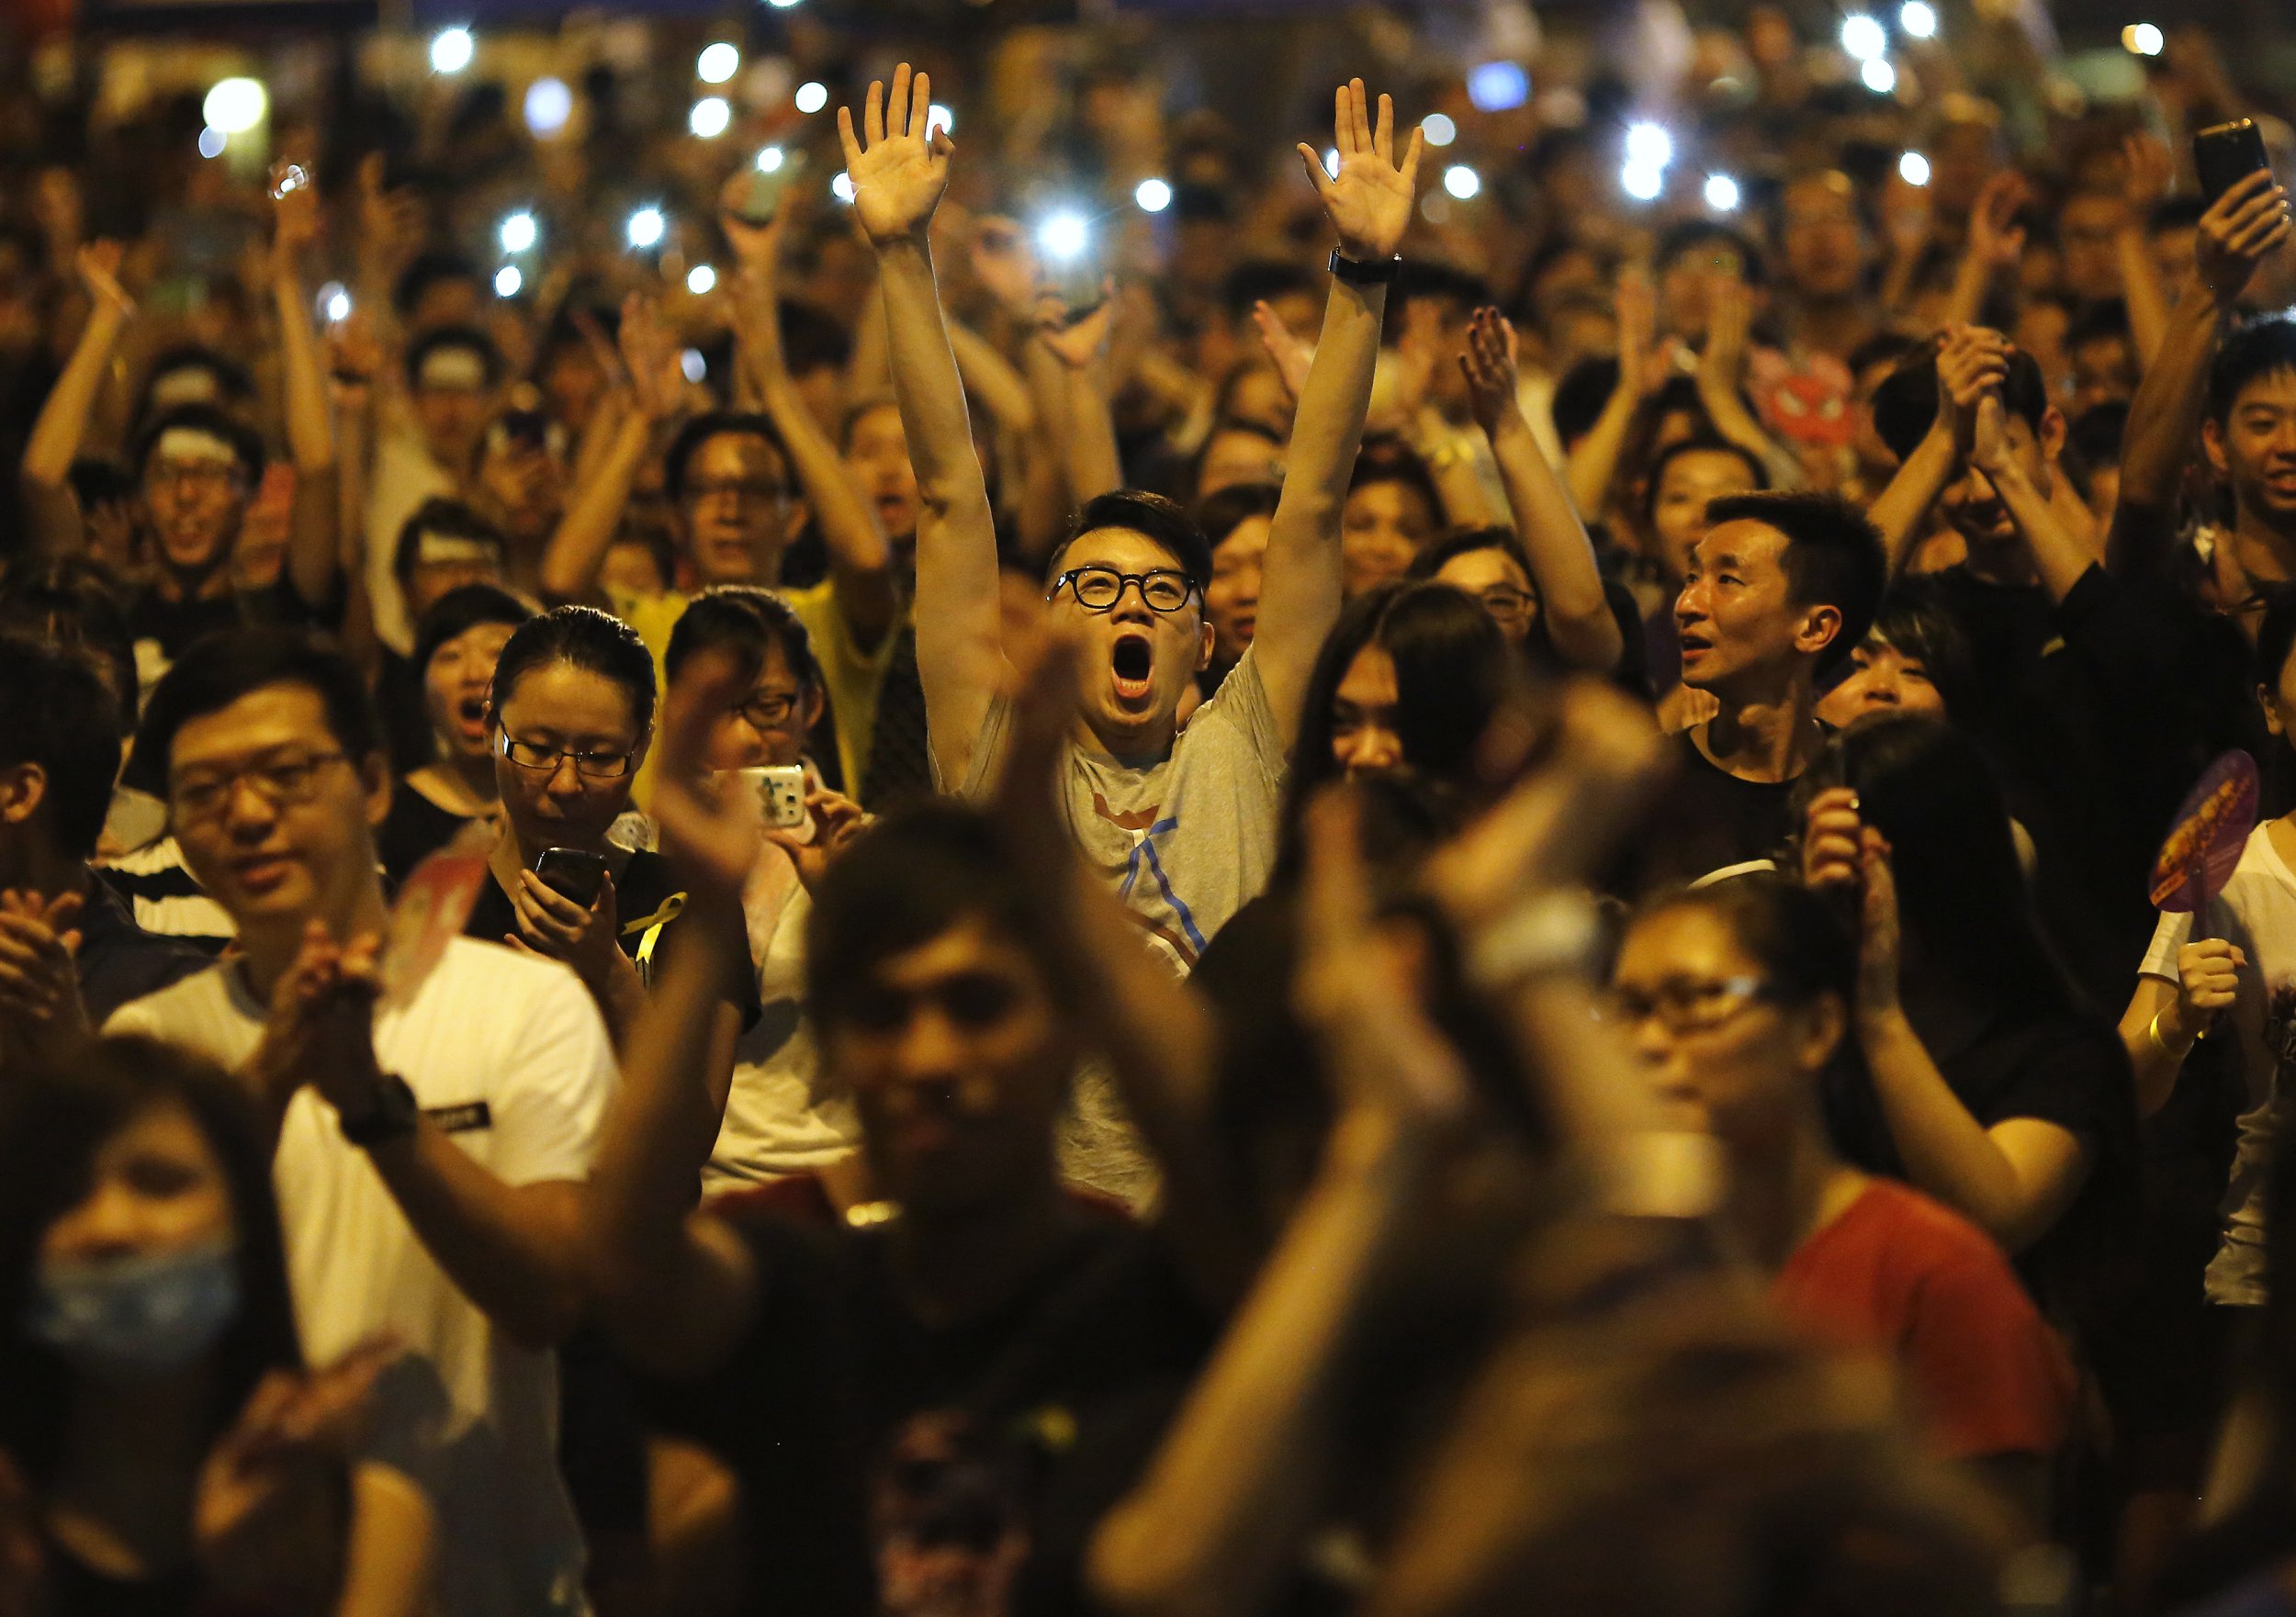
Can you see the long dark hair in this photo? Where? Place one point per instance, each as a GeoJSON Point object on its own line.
{"type": "Point", "coordinates": [1962, 894]}
{"type": "Point", "coordinates": [1453, 668]}
{"type": "Point", "coordinates": [53, 1122]}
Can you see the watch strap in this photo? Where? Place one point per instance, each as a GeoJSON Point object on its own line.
{"type": "Point", "coordinates": [1358, 272]}
{"type": "Point", "coordinates": [396, 1113]}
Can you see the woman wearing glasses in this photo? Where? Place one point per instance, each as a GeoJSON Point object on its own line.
{"type": "Point", "coordinates": [1737, 1000]}
{"type": "Point", "coordinates": [569, 719]}
{"type": "Point", "coordinates": [1491, 565]}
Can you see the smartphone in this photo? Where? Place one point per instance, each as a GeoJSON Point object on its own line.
{"type": "Point", "coordinates": [781, 790]}
{"type": "Point", "coordinates": [2226, 154]}
{"type": "Point", "coordinates": [1077, 283]}
{"type": "Point", "coordinates": [762, 195]}
{"type": "Point", "coordinates": [571, 873]}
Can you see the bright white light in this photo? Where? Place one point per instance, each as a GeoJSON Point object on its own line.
{"type": "Point", "coordinates": [1722, 193]}
{"type": "Point", "coordinates": [769, 160]}
{"type": "Point", "coordinates": [718, 62]}
{"type": "Point", "coordinates": [1642, 181]}
{"type": "Point", "coordinates": [692, 365]}
{"type": "Point", "coordinates": [710, 117]}
{"type": "Point", "coordinates": [645, 226]}
{"type": "Point", "coordinates": [812, 96]}
{"type": "Point", "coordinates": [210, 141]}
{"type": "Point", "coordinates": [700, 279]}
{"type": "Point", "coordinates": [451, 49]}
{"type": "Point", "coordinates": [1918, 18]}
{"type": "Point", "coordinates": [518, 232]}
{"type": "Point", "coordinates": [1863, 38]}
{"type": "Point", "coordinates": [781, 5]}
{"type": "Point", "coordinates": [1649, 145]}
{"type": "Point", "coordinates": [1438, 128]}
{"type": "Point", "coordinates": [1461, 181]}
{"type": "Point", "coordinates": [1497, 86]}
{"type": "Point", "coordinates": [548, 104]}
{"type": "Point", "coordinates": [842, 187]}
{"type": "Point", "coordinates": [2141, 39]}
{"type": "Point", "coordinates": [236, 106]}
{"type": "Point", "coordinates": [1914, 169]}
{"type": "Point", "coordinates": [1154, 196]}
{"type": "Point", "coordinates": [1064, 236]}
{"type": "Point", "coordinates": [1879, 77]}
{"type": "Point", "coordinates": [507, 281]}
{"type": "Point", "coordinates": [335, 302]}
{"type": "Point", "coordinates": [1331, 161]}
{"type": "Point", "coordinates": [937, 117]}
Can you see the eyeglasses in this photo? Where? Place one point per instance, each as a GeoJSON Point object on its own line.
{"type": "Point", "coordinates": [768, 711]}
{"type": "Point", "coordinates": [744, 493]}
{"type": "Point", "coordinates": [1506, 603]}
{"type": "Point", "coordinates": [1099, 589]}
{"type": "Point", "coordinates": [281, 779]}
{"type": "Point", "coordinates": [544, 761]}
{"type": "Point", "coordinates": [1682, 1004]}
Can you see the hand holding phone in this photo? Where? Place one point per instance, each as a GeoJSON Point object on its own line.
{"type": "Point", "coordinates": [2224, 154]}
{"type": "Point", "coordinates": [781, 790]}
{"type": "Point", "coordinates": [573, 874]}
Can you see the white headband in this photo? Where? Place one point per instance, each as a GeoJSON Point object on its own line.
{"type": "Point", "coordinates": [193, 443]}
{"type": "Point", "coordinates": [187, 384]}
{"type": "Point", "coordinates": [451, 367]}
{"type": "Point", "coordinates": [440, 549]}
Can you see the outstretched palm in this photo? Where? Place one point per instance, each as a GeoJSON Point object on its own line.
{"type": "Point", "coordinates": [1368, 202]}
{"type": "Point", "coordinates": [900, 175]}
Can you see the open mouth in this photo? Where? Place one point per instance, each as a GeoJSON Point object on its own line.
{"type": "Point", "coordinates": [1130, 663]}
{"type": "Point", "coordinates": [1695, 645]}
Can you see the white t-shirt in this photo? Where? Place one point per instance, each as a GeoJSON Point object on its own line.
{"type": "Point", "coordinates": [2257, 911]}
{"type": "Point", "coordinates": [778, 1121]}
{"type": "Point", "coordinates": [509, 1054]}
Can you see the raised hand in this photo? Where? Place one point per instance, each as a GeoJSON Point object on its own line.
{"type": "Point", "coordinates": [98, 264]}
{"type": "Point", "coordinates": [650, 357]}
{"type": "Point", "coordinates": [1972, 362]}
{"type": "Point", "coordinates": [2239, 229]}
{"type": "Point", "coordinates": [1369, 202]}
{"type": "Point", "coordinates": [2146, 170]}
{"type": "Point", "coordinates": [293, 217]}
{"type": "Point", "coordinates": [1077, 343]}
{"type": "Point", "coordinates": [1488, 365]}
{"type": "Point", "coordinates": [757, 248]}
{"type": "Point", "coordinates": [1292, 354]}
{"type": "Point", "coordinates": [711, 834]}
{"type": "Point", "coordinates": [1729, 318]}
{"type": "Point", "coordinates": [899, 174]}
{"type": "Point", "coordinates": [1640, 374]}
{"type": "Point", "coordinates": [1996, 239]}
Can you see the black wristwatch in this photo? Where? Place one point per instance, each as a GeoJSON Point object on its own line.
{"type": "Point", "coordinates": [1356, 272]}
{"type": "Point", "coordinates": [394, 1116]}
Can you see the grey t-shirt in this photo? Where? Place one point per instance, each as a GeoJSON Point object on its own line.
{"type": "Point", "coordinates": [1185, 842]}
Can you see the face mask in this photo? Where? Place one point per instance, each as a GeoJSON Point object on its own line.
{"type": "Point", "coordinates": [139, 1316]}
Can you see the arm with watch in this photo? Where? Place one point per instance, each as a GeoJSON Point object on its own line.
{"type": "Point", "coordinates": [512, 1249]}
{"type": "Point", "coordinates": [1369, 206]}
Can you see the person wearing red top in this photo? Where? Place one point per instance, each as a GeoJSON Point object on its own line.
{"type": "Point", "coordinates": [1736, 999]}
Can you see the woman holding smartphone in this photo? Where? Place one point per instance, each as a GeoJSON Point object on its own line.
{"type": "Point", "coordinates": [569, 720]}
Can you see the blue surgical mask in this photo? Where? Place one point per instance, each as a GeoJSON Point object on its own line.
{"type": "Point", "coordinates": [144, 1315]}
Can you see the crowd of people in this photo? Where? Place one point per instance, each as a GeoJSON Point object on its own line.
{"type": "Point", "coordinates": [1306, 890]}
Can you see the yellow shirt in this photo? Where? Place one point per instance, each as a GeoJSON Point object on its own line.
{"type": "Point", "coordinates": [852, 675]}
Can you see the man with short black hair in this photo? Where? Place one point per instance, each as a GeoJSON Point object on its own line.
{"type": "Point", "coordinates": [430, 1142]}
{"type": "Point", "coordinates": [70, 952]}
{"type": "Point", "coordinates": [454, 376]}
{"type": "Point", "coordinates": [1779, 590]}
{"type": "Point", "coordinates": [1183, 824]}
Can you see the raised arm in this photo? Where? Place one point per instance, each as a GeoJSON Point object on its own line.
{"type": "Point", "coordinates": [674, 1287]}
{"type": "Point", "coordinates": [62, 422]}
{"type": "Point", "coordinates": [860, 562]}
{"type": "Point", "coordinates": [1592, 465]}
{"type": "Point", "coordinates": [314, 559]}
{"type": "Point", "coordinates": [586, 529]}
{"type": "Point", "coordinates": [1722, 381]}
{"type": "Point", "coordinates": [1577, 613]}
{"type": "Point", "coordinates": [1079, 379]}
{"type": "Point", "coordinates": [1995, 243]}
{"type": "Point", "coordinates": [898, 177]}
{"type": "Point", "coordinates": [1971, 360]}
{"type": "Point", "coordinates": [1369, 207]}
{"type": "Point", "coordinates": [2060, 555]}
{"type": "Point", "coordinates": [2145, 171]}
{"type": "Point", "coordinates": [2239, 229]}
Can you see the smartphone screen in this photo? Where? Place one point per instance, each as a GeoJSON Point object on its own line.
{"type": "Point", "coordinates": [2224, 154]}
